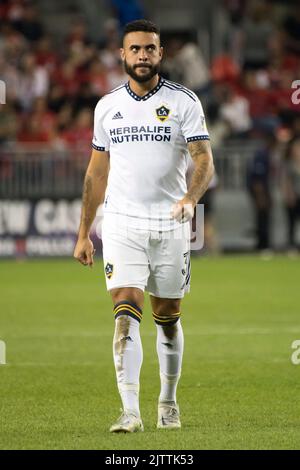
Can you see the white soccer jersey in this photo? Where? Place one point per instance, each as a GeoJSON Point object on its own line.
{"type": "Point", "coordinates": [147, 139]}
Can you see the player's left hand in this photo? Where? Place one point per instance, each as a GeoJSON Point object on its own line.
{"type": "Point", "coordinates": [183, 211]}
{"type": "Point", "coordinates": [84, 251]}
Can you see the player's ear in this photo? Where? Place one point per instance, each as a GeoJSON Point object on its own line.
{"type": "Point", "coordinates": [161, 52]}
{"type": "Point", "coordinates": [122, 54]}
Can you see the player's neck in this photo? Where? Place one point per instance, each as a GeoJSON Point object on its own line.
{"type": "Point", "coordinates": [141, 89]}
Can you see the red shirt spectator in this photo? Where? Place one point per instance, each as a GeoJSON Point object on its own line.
{"type": "Point", "coordinates": [32, 134]}
{"type": "Point", "coordinates": [45, 56]}
{"type": "Point", "coordinates": [68, 79]}
{"type": "Point", "coordinates": [81, 132]}
{"type": "Point", "coordinates": [261, 100]}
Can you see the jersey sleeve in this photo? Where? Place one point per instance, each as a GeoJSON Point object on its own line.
{"type": "Point", "coordinates": [193, 125]}
{"type": "Point", "coordinates": [101, 140]}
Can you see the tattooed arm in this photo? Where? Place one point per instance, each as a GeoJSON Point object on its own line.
{"type": "Point", "coordinates": [201, 154]}
{"type": "Point", "coordinates": [93, 195]}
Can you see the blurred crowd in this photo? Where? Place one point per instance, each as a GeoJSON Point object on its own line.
{"type": "Point", "coordinates": [249, 92]}
{"type": "Point", "coordinates": [246, 87]}
{"type": "Point", "coordinates": [53, 86]}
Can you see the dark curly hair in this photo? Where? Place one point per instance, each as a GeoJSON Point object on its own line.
{"type": "Point", "coordinates": [141, 25]}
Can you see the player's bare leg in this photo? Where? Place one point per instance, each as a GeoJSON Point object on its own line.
{"type": "Point", "coordinates": [166, 313]}
{"type": "Point", "coordinates": [128, 355]}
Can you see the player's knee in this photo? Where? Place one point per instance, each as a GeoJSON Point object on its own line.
{"type": "Point", "coordinates": [166, 307]}
{"type": "Point", "coordinates": [130, 294]}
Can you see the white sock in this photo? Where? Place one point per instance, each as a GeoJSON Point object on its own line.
{"type": "Point", "coordinates": [128, 358]}
{"type": "Point", "coordinates": [170, 352]}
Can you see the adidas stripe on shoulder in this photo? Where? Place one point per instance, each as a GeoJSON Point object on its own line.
{"type": "Point", "coordinates": [177, 87]}
{"type": "Point", "coordinates": [116, 89]}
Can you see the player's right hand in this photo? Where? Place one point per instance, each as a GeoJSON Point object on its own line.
{"type": "Point", "coordinates": [84, 251]}
{"type": "Point", "coordinates": [183, 211]}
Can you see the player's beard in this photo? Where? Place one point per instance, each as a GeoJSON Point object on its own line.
{"type": "Point", "coordinates": [153, 70]}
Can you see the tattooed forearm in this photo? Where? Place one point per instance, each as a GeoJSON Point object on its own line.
{"type": "Point", "coordinates": [89, 205]}
{"type": "Point", "coordinates": [200, 152]}
{"type": "Point", "coordinates": [94, 187]}
{"type": "Point", "coordinates": [200, 179]}
{"type": "Point", "coordinates": [87, 212]}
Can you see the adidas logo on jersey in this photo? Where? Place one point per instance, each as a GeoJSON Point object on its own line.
{"type": "Point", "coordinates": [118, 116]}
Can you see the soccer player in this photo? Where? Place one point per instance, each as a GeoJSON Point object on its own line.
{"type": "Point", "coordinates": [143, 132]}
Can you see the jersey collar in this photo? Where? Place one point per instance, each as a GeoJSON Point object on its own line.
{"type": "Point", "coordinates": [148, 95]}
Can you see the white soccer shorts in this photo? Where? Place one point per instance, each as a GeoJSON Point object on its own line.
{"type": "Point", "coordinates": [158, 262]}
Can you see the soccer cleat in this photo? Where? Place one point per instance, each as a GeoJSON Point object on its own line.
{"type": "Point", "coordinates": [168, 416]}
{"type": "Point", "coordinates": [128, 422]}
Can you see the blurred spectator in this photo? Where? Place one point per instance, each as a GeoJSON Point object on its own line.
{"type": "Point", "coordinates": [28, 23]}
{"type": "Point", "coordinates": [56, 98]}
{"type": "Point", "coordinates": [291, 188]}
{"type": "Point", "coordinates": [218, 129]}
{"type": "Point", "coordinates": [224, 69]}
{"type": "Point", "coordinates": [116, 76]}
{"type": "Point", "coordinates": [259, 185]}
{"type": "Point", "coordinates": [98, 78]}
{"type": "Point", "coordinates": [64, 118]}
{"type": "Point", "coordinates": [111, 33]}
{"type": "Point", "coordinates": [169, 69]}
{"type": "Point", "coordinates": [110, 56]}
{"type": "Point", "coordinates": [43, 115]}
{"type": "Point", "coordinates": [236, 10]}
{"type": "Point", "coordinates": [291, 28]}
{"type": "Point", "coordinates": [8, 124]}
{"type": "Point", "coordinates": [282, 96]}
{"type": "Point", "coordinates": [12, 44]}
{"type": "Point", "coordinates": [263, 108]}
{"type": "Point", "coordinates": [67, 79]}
{"type": "Point", "coordinates": [257, 31]}
{"type": "Point", "coordinates": [127, 10]}
{"type": "Point", "coordinates": [33, 82]}
{"type": "Point", "coordinates": [46, 56]}
{"type": "Point", "coordinates": [283, 69]}
{"type": "Point", "coordinates": [80, 134]}
{"type": "Point", "coordinates": [31, 132]}
{"type": "Point", "coordinates": [10, 76]}
{"type": "Point", "coordinates": [13, 10]}
{"type": "Point", "coordinates": [78, 33]}
{"type": "Point", "coordinates": [85, 98]}
{"type": "Point", "coordinates": [191, 61]}
{"type": "Point", "coordinates": [235, 112]}
{"type": "Point", "coordinates": [184, 63]}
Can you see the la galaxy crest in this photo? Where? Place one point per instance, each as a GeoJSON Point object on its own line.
{"type": "Point", "coordinates": [109, 270]}
{"type": "Point", "coordinates": [162, 113]}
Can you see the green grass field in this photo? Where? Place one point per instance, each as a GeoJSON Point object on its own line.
{"type": "Point", "coordinates": [239, 389]}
